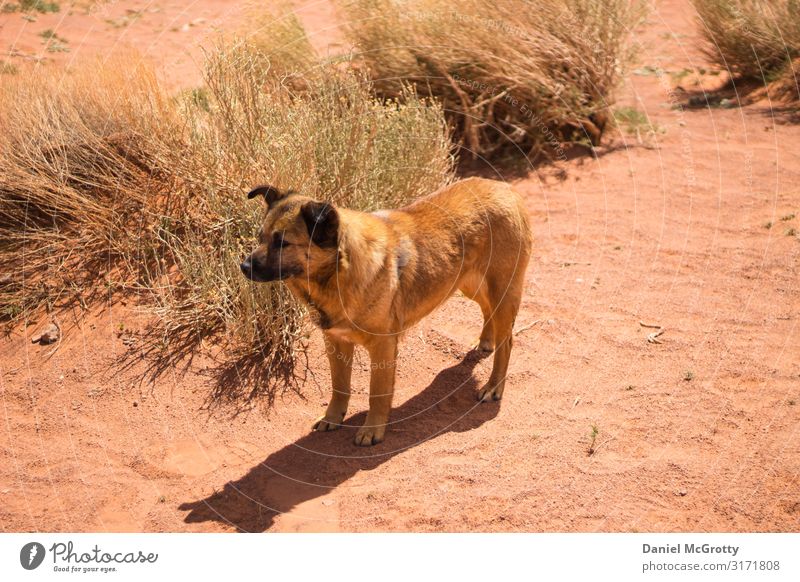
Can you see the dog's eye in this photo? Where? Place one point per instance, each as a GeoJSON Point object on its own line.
{"type": "Point", "coordinates": [278, 241]}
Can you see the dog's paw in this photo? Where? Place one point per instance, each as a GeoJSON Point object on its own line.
{"type": "Point", "coordinates": [490, 392]}
{"type": "Point", "coordinates": [325, 423]}
{"type": "Point", "coordinates": [483, 346]}
{"type": "Point", "coordinates": [369, 435]}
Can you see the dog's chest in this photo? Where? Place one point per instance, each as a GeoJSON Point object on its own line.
{"type": "Point", "coordinates": [343, 334]}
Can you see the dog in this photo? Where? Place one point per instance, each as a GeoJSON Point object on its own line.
{"type": "Point", "coordinates": [368, 277]}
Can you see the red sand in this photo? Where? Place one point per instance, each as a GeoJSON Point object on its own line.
{"type": "Point", "coordinates": [669, 231]}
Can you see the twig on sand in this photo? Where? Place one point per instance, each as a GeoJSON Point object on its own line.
{"type": "Point", "coordinates": [527, 327]}
{"type": "Point", "coordinates": [19, 54]}
{"type": "Point", "coordinates": [652, 338]}
{"type": "Point", "coordinates": [594, 448]}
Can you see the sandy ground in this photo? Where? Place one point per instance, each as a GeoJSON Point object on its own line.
{"type": "Point", "coordinates": [698, 433]}
{"type": "Point", "coordinates": [172, 33]}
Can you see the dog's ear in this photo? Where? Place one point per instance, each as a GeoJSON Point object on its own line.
{"type": "Point", "coordinates": [271, 194]}
{"type": "Point", "coordinates": [322, 222]}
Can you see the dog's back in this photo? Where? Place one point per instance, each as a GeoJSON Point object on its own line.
{"type": "Point", "coordinates": [464, 236]}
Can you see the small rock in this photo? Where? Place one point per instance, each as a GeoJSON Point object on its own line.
{"type": "Point", "coordinates": [185, 27]}
{"type": "Point", "coordinates": [682, 492]}
{"type": "Point", "coordinates": [727, 103]}
{"type": "Point", "coordinates": [49, 334]}
{"type": "Point", "coordinates": [327, 502]}
{"type": "Point", "coordinates": [135, 404]}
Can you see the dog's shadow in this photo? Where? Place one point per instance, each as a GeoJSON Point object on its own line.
{"type": "Point", "coordinates": [317, 463]}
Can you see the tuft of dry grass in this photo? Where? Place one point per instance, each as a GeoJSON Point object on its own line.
{"type": "Point", "coordinates": [507, 74]}
{"type": "Point", "coordinates": [77, 160]}
{"type": "Point", "coordinates": [786, 84]}
{"type": "Point", "coordinates": [41, 6]}
{"type": "Point", "coordinates": [280, 38]}
{"type": "Point", "coordinates": [754, 39]}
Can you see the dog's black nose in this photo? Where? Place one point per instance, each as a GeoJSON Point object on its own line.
{"type": "Point", "coordinates": [247, 267]}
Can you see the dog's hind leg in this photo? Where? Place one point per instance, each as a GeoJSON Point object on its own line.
{"type": "Point", "coordinates": [505, 312]}
{"type": "Point", "coordinates": [340, 357]}
{"type": "Point", "coordinates": [480, 295]}
{"type": "Point", "coordinates": [486, 342]}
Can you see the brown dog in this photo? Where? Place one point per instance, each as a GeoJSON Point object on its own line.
{"type": "Point", "coordinates": [369, 277]}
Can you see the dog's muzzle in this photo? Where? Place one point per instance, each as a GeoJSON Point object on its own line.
{"type": "Point", "coordinates": [260, 273]}
{"type": "Point", "coordinates": [247, 268]}
{"type": "Point", "coordinates": [253, 273]}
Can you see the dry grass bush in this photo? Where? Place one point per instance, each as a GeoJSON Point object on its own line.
{"type": "Point", "coordinates": [279, 36]}
{"type": "Point", "coordinates": [786, 87]}
{"type": "Point", "coordinates": [103, 175]}
{"type": "Point", "coordinates": [77, 160]}
{"type": "Point", "coordinates": [755, 39]}
{"type": "Point", "coordinates": [509, 74]}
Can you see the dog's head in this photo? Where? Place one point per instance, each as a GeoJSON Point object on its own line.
{"type": "Point", "coordinates": [299, 237]}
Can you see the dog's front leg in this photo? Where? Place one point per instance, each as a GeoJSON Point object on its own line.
{"type": "Point", "coordinates": [383, 355]}
{"type": "Point", "coordinates": [340, 357]}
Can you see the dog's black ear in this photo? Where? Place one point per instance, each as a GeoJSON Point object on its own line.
{"type": "Point", "coordinates": [271, 194]}
{"type": "Point", "coordinates": [322, 222]}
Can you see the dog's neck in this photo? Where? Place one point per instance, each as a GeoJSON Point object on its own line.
{"type": "Point", "coordinates": [343, 284]}
{"type": "Point", "coordinates": [362, 251]}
